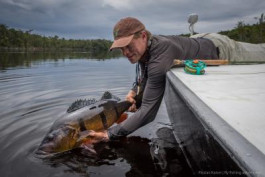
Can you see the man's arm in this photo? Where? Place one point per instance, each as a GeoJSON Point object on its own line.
{"type": "Point", "coordinates": [152, 97]}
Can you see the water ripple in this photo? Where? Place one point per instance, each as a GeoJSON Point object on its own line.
{"type": "Point", "coordinates": [32, 98]}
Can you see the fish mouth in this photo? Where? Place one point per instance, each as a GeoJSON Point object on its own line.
{"type": "Point", "coordinates": [42, 154]}
{"type": "Point", "coordinates": [45, 149]}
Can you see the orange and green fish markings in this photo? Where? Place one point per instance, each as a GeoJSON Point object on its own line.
{"type": "Point", "coordinates": [72, 129]}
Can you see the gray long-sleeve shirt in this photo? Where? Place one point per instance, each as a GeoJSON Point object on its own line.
{"type": "Point", "coordinates": [161, 53]}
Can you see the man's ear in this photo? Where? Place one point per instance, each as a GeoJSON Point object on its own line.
{"type": "Point", "coordinates": [144, 34]}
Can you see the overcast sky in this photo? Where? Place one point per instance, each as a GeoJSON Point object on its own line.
{"type": "Point", "coordinates": [87, 19]}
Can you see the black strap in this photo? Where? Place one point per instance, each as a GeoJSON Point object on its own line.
{"type": "Point", "coordinates": [104, 120]}
{"type": "Point", "coordinates": [139, 78]}
{"type": "Point", "coordinates": [82, 125]}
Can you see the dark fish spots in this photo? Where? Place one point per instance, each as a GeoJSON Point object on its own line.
{"type": "Point", "coordinates": [104, 120]}
{"type": "Point", "coordinates": [92, 107]}
{"type": "Point", "coordinates": [82, 124]}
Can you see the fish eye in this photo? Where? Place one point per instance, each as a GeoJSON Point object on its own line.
{"type": "Point", "coordinates": [50, 136]}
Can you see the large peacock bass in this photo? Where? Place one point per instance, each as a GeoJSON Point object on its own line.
{"type": "Point", "coordinates": [71, 130]}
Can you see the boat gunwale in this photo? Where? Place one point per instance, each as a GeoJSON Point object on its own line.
{"type": "Point", "coordinates": [246, 155]}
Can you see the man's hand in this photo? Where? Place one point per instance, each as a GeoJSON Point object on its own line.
{"type": "Point", "coordinates": [98, 136]}
{"type": "Point", "coordinates": [130, 97]}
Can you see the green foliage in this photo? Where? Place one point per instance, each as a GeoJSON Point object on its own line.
{"type": "Point", "coordinates": [12, 38]}
{"type": "Point", "coordinates": [248, 33]}
{"type": "Point", "coordinates": [185, 35]}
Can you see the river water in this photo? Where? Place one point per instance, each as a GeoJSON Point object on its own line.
{"type": "Point", "coordinates": [37, 88]}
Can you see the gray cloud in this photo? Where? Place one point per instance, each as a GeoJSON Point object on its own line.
{"type": "Point", "coordinates": [94, 19]}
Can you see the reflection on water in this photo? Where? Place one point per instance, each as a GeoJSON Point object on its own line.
{"type": "Point", "coordinates": [133, 155]}
{"type": "Point", "coordinates": [166, 154]}
{"type": "Point", "coordinates": [32, 98]}
{"type": "Point", "coordinates": [24, 59]}
{"type": "Point", "coordinates": [127, 157]}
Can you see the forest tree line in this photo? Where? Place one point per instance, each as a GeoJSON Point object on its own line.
{"type": "Point", "coordinates": [248, 33]}
{"type": "Point", "coordinates": [13, 38]}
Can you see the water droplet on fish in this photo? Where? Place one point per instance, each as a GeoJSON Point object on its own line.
{"type": "Point", "coordinates": [156, 149]}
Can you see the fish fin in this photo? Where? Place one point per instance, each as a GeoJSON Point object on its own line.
{"type": "Point", "coordinates": [107, 95]}
{"type": "Point", "coordinates": [123, 117]}
{"type": "Point", "coordinates": [89, 147]}
{"type": "Point", "coordinates": [78, 104]}
{"type": "Point", "coordinates": [86, 142]}
{"type": "Point", "coordinates": [83, 136]}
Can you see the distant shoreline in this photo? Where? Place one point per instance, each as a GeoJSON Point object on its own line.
{"type": "Point", "coordinates": [38, 49]}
